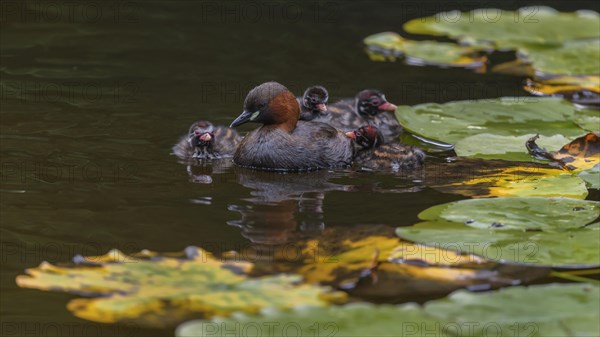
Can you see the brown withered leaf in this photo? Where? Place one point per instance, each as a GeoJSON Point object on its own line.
{"type": "Point", "coordinates": [581, 154]}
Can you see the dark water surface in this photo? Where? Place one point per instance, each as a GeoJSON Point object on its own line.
{"type": "Point", "coordinates": [93, 96]}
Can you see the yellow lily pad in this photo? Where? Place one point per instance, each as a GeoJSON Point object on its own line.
{"type": "Point", "coordinates": [563, 84]}
{"type": "Point", "coordinates": [162, 291]}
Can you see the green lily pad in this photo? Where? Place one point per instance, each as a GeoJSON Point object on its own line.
{"type": "Point", "coordinates": [498, 127]}
{"type": "Point", "coordinates": [528, 26]}
{"type": "Point", "coordinates": [591, 177]}
{"type": "Point", "coordinates": [160, 291]}
{"type": "Point", "coordinates": [531, 230]}
{"type": "Point", "coordinates": [357, 319]}
{"type": "Point", "coordinates": [571, 58]}
{"type": "Point", "coordinates": [553, 42]}
{"type": "Point", "coordinates": [541, 310]}
{"type": "Point", "coordinates": [389, 46]}
{"type": "Point", "coordinates": [490, 146]}
{"type": "Point", "coordinates": [521, 213]}
{"type": "Point", "coordinates": [588, 119]}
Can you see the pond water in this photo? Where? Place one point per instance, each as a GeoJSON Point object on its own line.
{"type": "Point", "coordinates": [94, 96]}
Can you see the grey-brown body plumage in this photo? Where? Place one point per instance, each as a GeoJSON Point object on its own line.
{"type": "Point", "coordinates": [310, 146]}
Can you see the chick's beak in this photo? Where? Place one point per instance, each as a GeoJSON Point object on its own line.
{"type": "Point", "coordinates": [205, 137]}
{"type": "Point", "coordinates": [321, 107]}
{"type": "Point", "coordinates": [351, 135]}
{"type": "Point", "coordinates": [387, 106]}
{"type": "Point", "coordinates": [243, 118]}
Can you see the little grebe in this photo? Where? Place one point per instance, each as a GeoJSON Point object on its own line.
{"type": "Point", "coordinates": [313, 103]}
{"type": "Point", "coordinates": [376, 155]}
{"type": "Point", "coordinates": [284, 143]}
{"type": "Point", "coordinates": [205, 141]}
{"type": "Point", "coordinates": [369, 107]}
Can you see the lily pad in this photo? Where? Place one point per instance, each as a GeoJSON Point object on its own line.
{"type": "Point", "coordinates": [551, 41]}
{"type": "Point", "coordinates": [528, 26]}
{"type": "Point", "coordinates": [453, 121]}
{"type": "Point", "coordinates": [591, 177]}
{"type": "Point", "coordinates": [582, 153]}
{"type": "Point", "coordinates": [507, 116]}
{"type": "Point", "coordinates": [588, 119]}
{"type": "Point", "coordinates": [531, 230]}
{"type": "Point", "coordinates": [162, 291]}
{"type": "Point", "coordinates": [571, 58]}
{"type": "Point", "coordinates": [389, 46]}
{"type": "Point", "coordinates": [490, 146]}
{"type": "Point", "coordinates": [541, 310]}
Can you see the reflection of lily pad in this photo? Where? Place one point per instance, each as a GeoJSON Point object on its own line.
{"type": "Point", "coordinates": [527, 26]}
{"type": "Point", "coordinates": [163, 290]}
{"type": "Point", "coordinates": [581, 90]}
{"type": "Point", "coordinates": [388, 46]}
{"type": "Point", "coordinates": [368, 261]}
{"type": "Point", "coordinates": [541, 310]}
{"type": "Point", "coordinates": [528, 230]}
{"type": "Point", "coordinates": [502, 179]}
{"type": "Point", "coordinates": [506, 116]}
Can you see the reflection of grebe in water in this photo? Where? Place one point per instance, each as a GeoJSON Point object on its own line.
{"type": "Point", "coordinates": [202, 171]}
{"type": "Point", "coordinates": [280, 203]}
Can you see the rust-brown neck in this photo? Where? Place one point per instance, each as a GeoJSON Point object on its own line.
{"type": "Point", "coordinates": [284, 111]}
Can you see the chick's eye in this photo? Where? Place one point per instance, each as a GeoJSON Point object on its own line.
{"type": "Point", "coordinates": [375, 101]}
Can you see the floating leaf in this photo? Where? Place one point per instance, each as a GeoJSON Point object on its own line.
{"type": "Point", "coordinates": [162, 291]}
{"type": "Point", "coordinates": [388, 46]}
{"type": "Point", "coordinates": [588, 119]}
{"type": "Point", "coordinates": [528, 26]}
{"type": "Point", "coordinates": [583, 153]}
{"type": "Point", "coordinates": [540, 310]}
{"type": "Point", "coordinates": [491, 146]}
{"type": "Point", "coordinates": [507, 116]}
{"type": "Point", "coordinates": [571, 58]}
{"type": "Point", "coordinates": [592, 177]}
{"type": "Point", "coordinates": [553, 42]}
{"type": "Point", "coordinates": [532, 230]}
